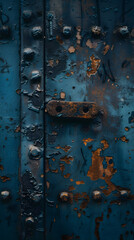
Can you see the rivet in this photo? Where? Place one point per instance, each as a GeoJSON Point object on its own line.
{"type": "Point", "coordinates": [29, 220]}
{"type": "Point", "coordinates": [34, 153]}
{"type": "Point", "coordinates": [64, 197]}
{"type": "Point", "coordinates": [28, 54]}
{"type": "Point", "coordinates": [5, 32]}
{"type": "Point", "coordinates": [123, 194]}
{"type": "Point", "coordinates": [67, 31]}
{"type": "Point", "coordinates": [96, 30]}
{"type": "Point", "coordinates": [50, 16]}
{"type": "Point", "coordinates": [37, 32]}
{"type": "Point", "coordinates": [27, 15]}
{"type": "Point", "coordinates": [35, 76]}
{"type": "Point", "coordinates": [122, 31]}
{"type": "Point", "coordinates": [97, 195]}
{"type": "Point", "coordinates": [5, 195]}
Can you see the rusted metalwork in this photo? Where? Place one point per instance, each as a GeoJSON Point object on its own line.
{"type": "Point", "coordinates": [82, 110]}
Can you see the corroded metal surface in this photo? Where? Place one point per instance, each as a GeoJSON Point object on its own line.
{"type": "Point", "coordinates": [89, 164]}
{"type": "Point", "coordinates": [82, 110]}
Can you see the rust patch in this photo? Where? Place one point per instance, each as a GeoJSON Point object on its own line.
{"type": "Point", "coordinates": [67, 175]}
{"type": "Point", "coordinates": [58, 38]}
{"type": "Point", "coordinates": [71, 188]}
{"type": "Point", "coordinates": [124, 139]}
{"type": "Point", "coordinates": [88, 140]}
{"type": "Point", "coordinates": [78, 35]}
{"type": "Point", "coordinates": [67, 237]}
{"type": "Point", "coordinates": [67, 159]}
{"type": "Point", "coordinates": [62, 167]}
{"type": "Point", "coordinates": [97, 171]}
{"type": "Point", "coordinates": [95, 64]}
{"type": "Point", "coordinates": [97, 225]}
{"type": "Point", "coordinates": [91, 44]}
{"type": "Point", "coordinates": [106, 49]}
{"type": "Point", "coordinates": [65, 149]}
{"type": "Point", "coordinates": [105, 144]}
{"type": "Point", "coordinates": [80, 182]}
{"type": "Point", "coordinates": [71, 49]}
{"type": "Point", "coordinates": [1, 167]}
{"type": "Point", "coordinates": [4, 178]}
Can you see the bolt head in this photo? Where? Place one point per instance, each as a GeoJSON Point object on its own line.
{"type": "Point", "coordinates": [67, 31]}
{"type": "Point", "coordinates": [50, 17]}
{"type": "Point", "coordinates": [96, 30]}
{"type": "Point", "coordinates": [5, 195]}
{"type": "Point", "coordinates": [35, 76]}
{"type": "Point", "coordinates": [28, 54]}
{"type": "Point", "coordinates": [97, 196]}
{"type": "Point", "coordinates": [37, 32]}
{"type": "Point", "coordinates": [64, 197]}
{"type": "Point", "coordinates": [34, 153]}
{"type": "Point", "coordinates": [27, 15]}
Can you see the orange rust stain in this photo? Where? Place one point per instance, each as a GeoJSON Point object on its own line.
{"type": "Point", "coordinates": [106, 49]}
{"type": "Point", "coordinates": [71, 49]}
{"type": "Point", "coordinates": [67, 159]}
{"type": "Point", "coordinates": [58, 38]}
{"type": "Point", "coordinates": [78, 35]}
{"type": "Point", "coordinates": [124, 139]}
{"type": "Point", "coordinates": [17, 129]}
{"type": "Point", "coordinates": [67, 237]}
{"type": "Point", "coordinates": [95, 64]}
{"type": "Point", "coordinates": [65, 149]}
{"type": "Point", "coordinates": [71, 180]}
{"type": "Point", "coordinates": [4, 178]}
{"type": "Point", "coordinates": [54, 171]}
{"type": "Point", "coordinates": [91, 44]}
{"type": "Point", "coordinates": [97, 171]}
{"type": "Point", "coordinates": [67, 175]}
{"type": "Point", "coordinates": [105, 144]}
{"type": "Point", "coordinates": [97, 225]}
{"type": "Point", "coordinates": [1, 167]}
{"type": "Point", "coordinates": [85, 141]}
{"type": "Point", "coordinates": [80, 182]}
{"type": "Point", "coordinates": [62, 167]}
{"type": "Point", "coordinates": [126, 129]}
{"type": "Point", "coordinates": [71, 188]}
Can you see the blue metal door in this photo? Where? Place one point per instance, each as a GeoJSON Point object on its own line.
{"type": "Point", "coordinates": [66, 119]}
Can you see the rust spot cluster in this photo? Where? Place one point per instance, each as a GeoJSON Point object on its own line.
{"type": "Point", "coordinates": [95, 64]}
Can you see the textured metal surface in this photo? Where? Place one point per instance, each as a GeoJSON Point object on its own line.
{"type": "Point", "coordinates": [85, 60]}
{"type": "Point", "coordinates": [89, 164]}
{"type": "Point", "coordinates": [78, 110]}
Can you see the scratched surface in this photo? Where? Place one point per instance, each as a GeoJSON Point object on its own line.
{"type": "Point", "coordinates": [89, 164]}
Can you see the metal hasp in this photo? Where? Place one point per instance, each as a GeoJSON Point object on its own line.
{"type": "Point", "coordinates": [82, 110]}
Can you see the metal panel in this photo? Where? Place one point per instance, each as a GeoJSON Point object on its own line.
{"type": "Point", "coordinates": [89, 164]}
{"type": "Point", "coordinates": [9, 119]}
{"type": "Point", "coordinates": [32, 171]}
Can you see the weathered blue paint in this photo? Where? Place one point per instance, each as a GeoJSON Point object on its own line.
{"type": "Point", "coordinates": [9, 119]}
{"type": "Point", "coordinates": [84, 55]}
{"type": "Point", "coordinates": [90, 163]}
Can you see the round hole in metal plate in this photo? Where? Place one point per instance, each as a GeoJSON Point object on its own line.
{"type": "Point", "coordinates": [58, 109]}
{"type": "Point", "coordinates": [85, 109]}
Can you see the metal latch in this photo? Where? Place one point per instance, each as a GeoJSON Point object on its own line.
{"type": "Point", "coordinates": [64, 109]}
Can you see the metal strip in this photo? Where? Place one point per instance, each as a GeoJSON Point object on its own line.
{"type": "Point", "coordinates": [32, 119]}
